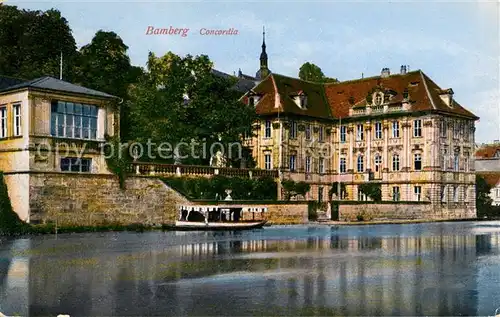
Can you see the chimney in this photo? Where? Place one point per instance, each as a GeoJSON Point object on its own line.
{"type": "Point", "coordinates": [385, 73]}
{"type": "Point", "coordinates": [403, 69]}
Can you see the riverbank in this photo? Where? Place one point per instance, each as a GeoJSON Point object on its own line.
{"type": "Point", "coordinates": [396, 222]}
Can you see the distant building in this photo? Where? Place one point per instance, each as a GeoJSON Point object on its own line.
{"type": "Point", "coordinates": [45, 124]}
{"type": "Point", "coordinates": [401, 131]}
{"type": "Point", "coordinates": [488, 158]}
{"type": "Point", "coordinates": [493, 179]}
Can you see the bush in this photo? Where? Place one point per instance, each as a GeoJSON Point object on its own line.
{"type": "Point", "coordinates": [293, 189]}
{"type": "Point", "coordinates": [264, 188]}
{"type": "Point", "coordinates": [10, 223]}
{"type": "Point", "coordinates": [372, 190]}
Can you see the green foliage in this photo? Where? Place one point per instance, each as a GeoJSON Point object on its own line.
{"type": "Point", "coordinates": [264, 188]}
{"type": "Point", "coordinates": [372, 190]}
{"type": "Point", "coordinates": [10, 223]}
{"type": "Point", "coordinates": [212, 113]}
{"type": "Point", "coordinates": [293, 189]}
{"type": "Point", "coordinates": [117, 158]}
{"type": "Point", "coordinates": [311, 72]}
{"type": "Point", "coordinates": [334, 189]}
{"type": "Point", "coordinates": [483, 199]}
{"type": "Point", "coordinates": [31, 43]}
{"type": "Point", "coordinates": [105, 66]}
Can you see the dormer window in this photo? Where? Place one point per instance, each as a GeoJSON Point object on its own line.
{"type": "Point", "coordinates": [447, 96]}
{"type": "Point", "coordinates": [378, 99]}
{"type": "Point", "coordinates": [251, 101]}
{"type": "Point", "coordinates": [406, 94]}
{"type": "Point", "coordinates": [300, 99]}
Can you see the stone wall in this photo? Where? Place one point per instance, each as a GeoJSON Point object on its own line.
{"type": "Point", "coordinates": [409, 211]}
{"type": "Point", "coordinates": [287, 213]}
{"type": "Point", "coordinates": [89, 199]}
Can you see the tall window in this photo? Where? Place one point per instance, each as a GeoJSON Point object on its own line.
{"type": "Point", "coordinates": [444, 189]}
{"type": "Point", "coordinates": [267, 161]}
{"type": "Point", "coordinates": [444, 159]}
{"type": "Point", "coordinates": [360, 133]}
{"type": "Point", "coordinates": [74, 120]}
{"type": "Point", "coordinates": [360, 163]}
{"type": "Point", "coordinates": [308, 131]}
{"type": "Point", "coordinates": [466, 131]}
{"type": "Point", "coordinates": [442, 128]}
{"type": "Point", "coordinates": [417, 128]}
{"type": "Point", "coordinates": [321, 165]}
{"type": "Point", "coordinates": [293, 158]}
{"type": "Point", "coordinates": [455, 194]}
{"type": "Point", "coordinates": [267, 129]}
{"type": "Point", "coordinates": [466, 162]}
{"type": "Point", "coordinates": [378, 130]}
{"type": "Point", "coordinates": [418, 162]}
{"type": "Point", "coordinates": [395, 193]}
{"type": "Point", "coordinates": [73, 164]}
{"type": "Point", "coordinates": [3, 122]}
{"type": "Point", "coordinates": [378, 162]}
{"type": "Point", "coordinates": [320, 194]}
{"type": "Point", "coordinates": [320, 134]}
{"type": "Point", "coordinates": [361, 195]}
{"type": "Point", "coordinates": [308, 164]}
{"type": "Point", "coordinates": [417, 190]}
{"type": "Point", "coordinates": [17, 120]}
{"type": "Point", "coordinates": [342, 167]}
{"type": "Point", "coordinates": [343, 132]}
{"type": "Point", "coordinates": [293, 130]}
{"type": "Point", "coordinates": [395, 129]}
{"type": "Point", "coordinates": [395, 162]}
{"type": "Point", "coordinates": [456, 163]}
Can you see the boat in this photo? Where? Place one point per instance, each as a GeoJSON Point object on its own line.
{"type": "Point", "coordinates": [219, 217]}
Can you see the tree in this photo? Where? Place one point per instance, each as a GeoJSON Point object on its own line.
{"type": "Point", "coordinates": [105, 66]}
{"type": "Point", "coordinates": [31, 43]}
{"type": "Point", "coordinates": [483, 199]}
{"type": "Point", "coordinates": [372, 190]}
{"type": "Point", "coordinates": [334, 189]}
{"type": "Point", "coordinates": [293, 189]}
{"type": "Point", "coordinates": [311, 72]}
{"type": "Point", "coordinates": [181, 102]}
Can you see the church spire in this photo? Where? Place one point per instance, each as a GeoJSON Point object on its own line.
{"type": "Point", "coordinates": [263, 70]}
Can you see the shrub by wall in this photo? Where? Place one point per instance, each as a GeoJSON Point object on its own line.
{"type": "Point", "coordinates": [10, 223]}
{"type": "Point", "coordinates": [264, 188]}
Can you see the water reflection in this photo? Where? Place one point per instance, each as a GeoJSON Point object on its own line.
{"type": "Point", "coordinates": [277, 271]}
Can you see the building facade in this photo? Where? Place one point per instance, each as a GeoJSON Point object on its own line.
{"type": "Point", "coordinates": [401, 131]}
{"type": "Point", "coordinates": [49, 125]}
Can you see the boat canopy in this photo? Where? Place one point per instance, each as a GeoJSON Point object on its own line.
{"type": "Point", "coordinates": [205, 208]}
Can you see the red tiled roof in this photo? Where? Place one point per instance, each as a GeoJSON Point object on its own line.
{"type": "Point", "coordinates": [333, 100]}
{"type": "Point", "coordinates": [492, 178]}
{"type": "Point", "coordinates": [488, 151]}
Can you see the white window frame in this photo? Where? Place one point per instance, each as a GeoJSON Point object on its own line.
{"type": "Point", "coordinates": [293, 129]}
{"type": "Point", "coordinates": [456, 192]}
{"type": "Point", "coordinates": [417, 128]}
{"type": "Point", "coordinates": [268, 129]}
{"type": "Point", "coordinates": [74, 161]}
{"type": "Point", "coordinates": [395, 129]}
{"type": "Point", "coordinates": [342, 165]}
{"type": "Point", "coordinates": [456, 163]}
{"type": "Point", "coordinates": [321, 165]}
{"type": "Point", "coordinates": [417, 191]}
{"type": "Point", "coordinates": [396, 193]}
{"type": "Point", "coordinates": [343, 133]}
{"type": "Point", "coordinates": [378, 162]}
{"type": "Point", "coordinates": [443, 128]}
{"type": "Point", "coordinates": [360, 132]}
{"type": "Point", "coordinates": [17, 120]}
{"type": "Point", "coordinates": [360, 164]}
{"type": "Point", "coordinates": [395, 163]}
{"type": "Point", "coordinates": [268, 161]}
{"type": "Point", "coordinates": [417, 157]}
{"type": "Point", "coordinates": [293, 162]}
{"type": "Point", "coordinates": [3, 121]}
{"type": "Point", "coordinates": [308, 164]}
{"type": "Point", "coordinates": [378, 130]}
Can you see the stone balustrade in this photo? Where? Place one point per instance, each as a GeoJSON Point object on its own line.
{"type": "Point", "coordinates": [152, 169]}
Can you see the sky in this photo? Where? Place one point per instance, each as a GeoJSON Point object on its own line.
{"type": "Point", "coordinates": [456, 43]}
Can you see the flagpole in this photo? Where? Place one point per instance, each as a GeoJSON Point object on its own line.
{"type": "Point", "coordinates": [60, 66]}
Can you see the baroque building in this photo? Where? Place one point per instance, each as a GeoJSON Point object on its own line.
{"type": "Point", "coordinates": [401, 131]}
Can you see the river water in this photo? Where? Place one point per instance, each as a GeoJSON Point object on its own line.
{"type": "Point", "coordinates": [413, 269]}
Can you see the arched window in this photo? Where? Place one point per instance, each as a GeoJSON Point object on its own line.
{"type": "Point", "coordinates": [360, 163]}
